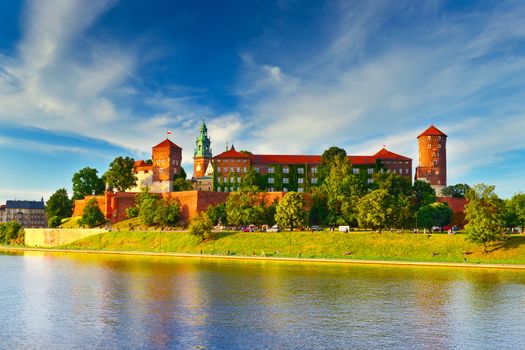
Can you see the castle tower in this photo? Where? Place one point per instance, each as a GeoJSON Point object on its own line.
{"type": "Point", "coordinates": [202, 155]}
{"type": "Point", "coordinates": [432, 158]}
{"type": "Point", "coordinates": [167, 159]}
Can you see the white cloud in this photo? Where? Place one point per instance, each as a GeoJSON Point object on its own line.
{"type": "Point", "coordinates": [365, 90]}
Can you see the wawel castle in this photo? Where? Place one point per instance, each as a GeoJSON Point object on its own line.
{"type": "Point", "coordinates": [283, 172]}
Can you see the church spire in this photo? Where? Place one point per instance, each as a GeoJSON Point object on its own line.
{"type": "Point", "coordinates": [203, 143]}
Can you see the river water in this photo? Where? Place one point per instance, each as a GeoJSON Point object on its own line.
{"type": "Point", "coordinates": [80, 301]}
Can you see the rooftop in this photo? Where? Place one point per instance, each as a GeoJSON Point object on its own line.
{"type": "Point", "coordinates": [432, 131]}
{"type": "Point", "coordinates": [15, 204]}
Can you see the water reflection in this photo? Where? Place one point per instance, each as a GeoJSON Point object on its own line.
{"type": "Point", "coordinates": [101, 301]}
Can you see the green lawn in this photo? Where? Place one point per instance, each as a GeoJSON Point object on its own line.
{"type": "Point", "coordinates": [354, 245]}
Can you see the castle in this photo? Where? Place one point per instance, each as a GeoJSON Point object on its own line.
{"type": "Point", "coordinates": [214, 177]}
{"type": "Point", "coordinates": [283, 173]}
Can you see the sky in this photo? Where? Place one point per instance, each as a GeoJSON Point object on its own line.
{"type": "Point", "coordinates": [82, 82]}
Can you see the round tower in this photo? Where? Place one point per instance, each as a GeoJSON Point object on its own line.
{"type": "Point", "coordinates": [432, 166]}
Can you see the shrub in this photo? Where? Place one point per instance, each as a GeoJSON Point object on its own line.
{"type": "Point", "coordinates": [201, 225]}
{"type": "Point", "coordinates": [54, 221]}
{"type": "Point", "coordinates": [11, 233]}
{"type": "Point", "coordinates": [92, 215]}
{"type": "Point", "coordinates": [132, 212]}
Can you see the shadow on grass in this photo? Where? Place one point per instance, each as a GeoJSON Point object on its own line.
{"type": "Point", "coordinates": [224, 234]}
{"type": "Point", "coordinates": [510, 243]}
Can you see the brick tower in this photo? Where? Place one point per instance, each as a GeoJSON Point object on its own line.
{"type": "Point", "coordinates": [432, 158]}
{"type": "Point", "coordinates": [202, 155]}
{"type": "Point", "coordinates": [167, 159]}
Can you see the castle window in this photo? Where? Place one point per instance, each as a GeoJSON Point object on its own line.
{"type": "Point", "coordinates": [161, 170]}
{"type": "Point", "coordinates": [238, 179]}
{"type": "Point", "coordinates": [256, 170]}
{"type": "Point", "coordinates": [270, 170]}
{"type": "Point", "coordinates": [314, 170]}
{"type": "Point", "coordinates": [231, 169]}
{"type": "Point", "coordinates": [218, 188]}
{"type": "Point", "coordinates": [370, 171]}
{"type": "Point", "coordinates": [238, 169]}
{"type": "Point", "coordinates": [285, 180]}
{"type": "Point", "coordinates": [429, 145]}
{"type": "Point", "coordinates": [300, 170]}
{"type": "Point", "coordinates": [286, 170]}
{"type": "Point", "coordinates": [300, 189]}
{"type": "Point", "coordinates": [244, 160]}
{"type": "Point", "coordinates": [407, 171]}
{"type": "Point", "coordinates": [218, 160]}
{"type": "Point", "coordinates": [225, 179]}
{"type": "Point", "coordinates": [314, 180]}
{"type": "Point", "coordinates": [429, 138]}
{"type": "Point", "coordinates": [300, 180]}
{"type": "Point", "coordinates": [439, 145]}
{"type": "Point", "coordinates": [220, 179]}
{"type": "Point", "coordinates": [285, 189]}
{"type": "Point", "coordinates": [244, 169]}
{"type": "Point", "coordinates": [355, 171]}
{"type": "Point", "coordinates": [370, 181]}
{"type": "Point", "coordinates": [231, 189]}
{"type": "Point", "coordinates": [270, 180]}
{"type": "Point", "coordinates": [231, 179]}
{"type": "Point", "coordinates": [271, 189]}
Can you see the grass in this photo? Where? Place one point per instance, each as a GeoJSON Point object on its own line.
{"type": "Point", "coordinates": [354, 245]}
{"type": "Point", "coordinates": [70, 222]}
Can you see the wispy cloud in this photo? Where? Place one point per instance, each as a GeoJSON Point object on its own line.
{"type": "Point", "coordinates": [48, 85]}
{"type": "Point", "coordinates": [365, 89]}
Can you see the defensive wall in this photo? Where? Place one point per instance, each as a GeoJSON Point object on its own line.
{"type": "Point", "coordinates": [114, 204]}
{"type": "Point", "coordinates": [48, 237]}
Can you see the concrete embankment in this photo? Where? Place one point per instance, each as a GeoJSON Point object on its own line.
{"type": "Point", "coordinates": [50, 237]}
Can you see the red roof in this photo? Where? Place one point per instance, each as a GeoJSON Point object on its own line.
{"type": "Point", "coordinates": [432, 131]}
{"type": "Point", "coordinates": [284, 159]}
{"type": "Point", "coordinates": [386, 154]}
{"type": "Point", "coordinates": [231, 153]}
{"type": "Point", "coordinates": [140, 163]}
{"type": "Point", "coordinates": [166, 143]}
{"type": "Point", "coordinates": [362, 160]}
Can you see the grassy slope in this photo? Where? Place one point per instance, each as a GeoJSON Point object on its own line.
{"type": "Point", "coordinates": [362, 245]}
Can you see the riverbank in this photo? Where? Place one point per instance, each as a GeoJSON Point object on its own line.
{"type": "Point", "coordinates": [367, 246]}
{"type": "Point", "coordinates": [277, 259]}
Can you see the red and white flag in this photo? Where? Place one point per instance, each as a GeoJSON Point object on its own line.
{"type": "Point", "coordinates": [169, 132]}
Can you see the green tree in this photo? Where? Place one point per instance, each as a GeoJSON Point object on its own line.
{"type": "Point", "coordinates": [59, 204]}
{"type": "Point", "coordinates": [120, 175]}
{"type": "Point", "coordinates": [54, 221]}
{"type": "Point", "coordinates": [328, 159]}
{"type": "Point", "coordinates": [483, 212]}
{"type": "Point", "coordinates": [86, 182]}
{"type": "Point", "coordinates": [375, 209]}
{"type": "Point", "coordinates": [245, 207]}
{"type": "Point", "coordinates": [181, 184]}
{"type": "Point", "coordinates": [92, 215]}
{"type": "Point", "coordinates": [201, 226]}
{"type": "Point", "coordinates": [516, 211]}
{"type": "Point", "coordinates": [423, 194]}
{"type": "Point", "coordinates": [147, 210]}
{"type": "Point", "coordinates": [456, 191]}
{"type": "Point", "coordinates": [167, 212]}
{"type": "Point", "coordinates": [250, 178]}
{"type": "Point", "coordinates": [217, 214]}
{"type": "Point", "coordinates": [11, 232]}
{"type": "Point", "coordinates": [290, 211]}
{"type": "Point", "coordinates": [401, 190]}
{"type": "Point", "coordinates": [435, 214]}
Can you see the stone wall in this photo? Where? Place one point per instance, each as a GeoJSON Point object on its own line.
{"type": "Point", "coordinates": [40, 237]}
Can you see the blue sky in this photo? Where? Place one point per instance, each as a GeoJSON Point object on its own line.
{"type": "Point", "coordinates": [82, 82]}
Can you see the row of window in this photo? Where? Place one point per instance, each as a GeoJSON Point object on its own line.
{"type": "Point", "coordinates": [162, 162]}
{"type": "Point", "coordinates": [232, 169]}
{"type": "Point", "coordinates": [270, 189]}
{"type": "Point", "coordinates": [396, 162]}
{"type": "Point", "coordinates": [430, 145]}
{"type": "Point", "coordinates": [230, 160]}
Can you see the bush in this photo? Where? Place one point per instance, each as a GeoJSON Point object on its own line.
{"type": "Point", "coordinates": [202, 226]}
{"type": "Point", "coordinates": [92, 215]}
{"type": "Point", "coordinates": [11, 233]}
{"type": "Point", "coordinates": [167, 212]}
{"type": "Point", "coordinates": [132, 212]}
{"type": "Point", "coordinates": [54, 221]}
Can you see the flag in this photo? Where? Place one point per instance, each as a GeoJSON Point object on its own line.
{"type": "Point", "coordinates": [169, 132]}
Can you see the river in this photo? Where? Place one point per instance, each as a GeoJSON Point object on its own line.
{"type": "Point", "coordinates": [90, 301]}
